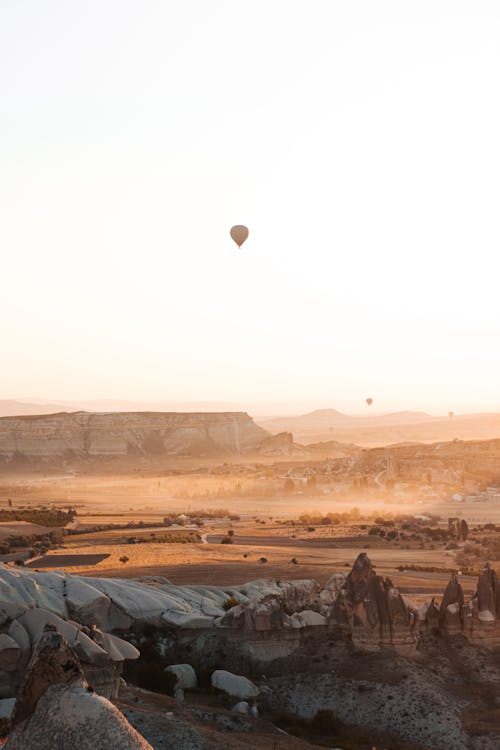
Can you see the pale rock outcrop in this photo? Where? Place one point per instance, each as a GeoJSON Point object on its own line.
{"type": "Point", "coordinates": [307, 619]}
{"type": "Point", "coordinates": [233, 685]}
{"type": "Point", "coordinates": [120, 604]}
{"type": "Point", "coordinates": [282, 608]}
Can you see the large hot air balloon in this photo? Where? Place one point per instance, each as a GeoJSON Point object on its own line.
{"type": "Point", "coordinates": [239, 234]}
{"type": "Point", "coordinates": [369, 401]}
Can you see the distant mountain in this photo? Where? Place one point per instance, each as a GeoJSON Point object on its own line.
{"type": "Point", "coordinates": [322, 419]}
{"type": "Point", "coordinates": [368, 430]}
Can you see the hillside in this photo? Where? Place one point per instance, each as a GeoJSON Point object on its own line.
{"type": "Point", "coordinates": [82, 436]}
{"type": "Point", "coordinates": [382, 429]}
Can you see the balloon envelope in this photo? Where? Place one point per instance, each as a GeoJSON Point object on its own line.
{"type": "Point", "coordinates": [369, 401]}
{"type": "Point", "coordinates": [239, 234]}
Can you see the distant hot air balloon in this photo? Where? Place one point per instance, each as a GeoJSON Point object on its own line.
{"type": "Point", "coordinates": [369, 401]}
{"type": "Point", "coordinates": [451, 414]}
{"type": "Point", "coordinates": [239, 234]}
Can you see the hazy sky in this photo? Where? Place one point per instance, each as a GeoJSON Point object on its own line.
{"type": "Point", "coordinates": [359, 141]}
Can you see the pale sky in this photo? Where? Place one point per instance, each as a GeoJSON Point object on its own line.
{"type": "Point", "coordinates": [359, 141]}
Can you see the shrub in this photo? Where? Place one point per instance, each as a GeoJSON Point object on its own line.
{"type": "Point", "coordinates": [227, 540]}
{"type": "Point", "coordinates": [230, 602]}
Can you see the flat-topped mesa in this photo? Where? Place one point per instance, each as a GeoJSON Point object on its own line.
{"type": "Point", "coordinates": [373, 611]}
{"type": "Point", "coordinates": [86, 436]}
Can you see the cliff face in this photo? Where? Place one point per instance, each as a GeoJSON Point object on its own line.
{"type": "Point", "coordinates": [120, 434]}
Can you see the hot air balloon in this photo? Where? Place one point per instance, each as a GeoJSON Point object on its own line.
{"type": "Point", "coordinates": [239, 234]}
{"type": "Point", "coordinates": [451, 414]}
{"type": "Point", "coordinates": [369, 401]}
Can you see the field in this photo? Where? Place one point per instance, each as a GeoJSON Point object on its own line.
{"type": "Point", "coordinates": [268, 540]}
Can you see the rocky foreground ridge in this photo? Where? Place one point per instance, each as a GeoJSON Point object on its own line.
{"type": "Point", "coordinates": [82, 435]}
{"type": "Point", "coordinates": [360, 607]}
{"type": "Point", "coordinates": [356, 647]}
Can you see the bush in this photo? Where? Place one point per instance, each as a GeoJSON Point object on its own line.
{"type": "Point", "coordinates": [230, 602]}
{"type": "Point", "coordinates": [227, 540]}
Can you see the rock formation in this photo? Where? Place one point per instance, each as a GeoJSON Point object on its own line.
{"type": "Point", "coordinates": [84, 436]}
{"type": "Point", "coordinates": [458, 528]}
{"type": "Point", "coordinates": [233, 685]}
{"type": "Point", "coordinates": [22, 625]}
{"type": "Point", "coordinates": [56, 708]}
{"type": "Point", "coordinates": [372, 610]}
{"type": "Point", "coordinates": [271, 620]}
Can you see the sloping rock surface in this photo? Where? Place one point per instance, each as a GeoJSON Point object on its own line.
{"type": "Point", "coordinates": [86, 435]}
{"type": "Point", "coordinates": [72, 718]}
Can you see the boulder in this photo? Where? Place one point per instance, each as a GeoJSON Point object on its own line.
{"type": "Point", "coordinates": [71, 717]}
{"type": "Point", "coordinates": [233, 685]}
{"type": "Point", "coordinates": [184, 674]}
{"type": "Point", "coordinates": [307, 619]}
